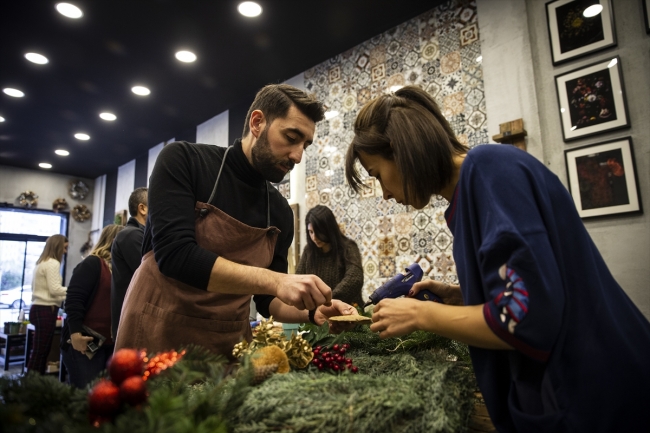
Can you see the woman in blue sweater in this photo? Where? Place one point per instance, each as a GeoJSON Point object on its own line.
{"type": "Point", "coordinates": [556, 344]}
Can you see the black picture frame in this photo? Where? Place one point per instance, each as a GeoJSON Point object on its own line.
{"type": "Point", "coordinates": [646, 17]}
{"type": "Point", "coordinates": [592, 99]}
{"type": "Point", "coordinates": [602, 179]}
{"type": "Point", "coordinates": [572, 35]}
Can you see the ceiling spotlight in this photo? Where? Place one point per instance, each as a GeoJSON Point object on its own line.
{"type": "Point", "coordinates": [62, 152]}
{"type": "Point", "coordinates": [331, 114]}
{"type": "Point", "coordinates": [186, 56]}
{"type": "Point", "coordinates": [140, 90]}
{"type": "Point", "coordinates": [249, 9]}
{"type": "Point", "coordinates": [2, 119]}
{"type": "Point", "coordinates": [13, 92]}
{"type": "Point", "coordinates": [37, 58]}
{"type": "Point", "coordinates": [478, 59]}
{"type": "Point", "coordinates": [45, 165]}
{"type": "Point", "coordinates": [69, 10]}
{"type": "Point", "coordinates": [593, 10]}
{"type": "Point", "coordinates": [108, 116]}
{"type": "Point", "coordinates": [82, 136]}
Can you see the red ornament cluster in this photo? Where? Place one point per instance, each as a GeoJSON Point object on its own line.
{"type": "Point", "coordinates": [128, 370]}
{"type": "Point", "coordinates": [333, 359]}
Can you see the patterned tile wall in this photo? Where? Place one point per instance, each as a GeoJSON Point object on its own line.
{"type": "Point", "coordinates": [437, 51]}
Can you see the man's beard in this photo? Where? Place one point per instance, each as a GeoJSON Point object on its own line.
{"type": "Point", "coordinates": [265, 162]}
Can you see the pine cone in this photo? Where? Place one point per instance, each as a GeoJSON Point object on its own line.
{"type": "Point", "coordinates": [263, 372]}
{"type": "Point", "coordinates": [298, 351]}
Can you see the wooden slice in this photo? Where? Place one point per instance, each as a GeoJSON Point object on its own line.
{"type": "Point", "coordinates": [350, 319]}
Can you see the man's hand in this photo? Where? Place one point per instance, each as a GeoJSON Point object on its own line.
{"type": "Point", "coordinates": [337, 308]}
{"type": "Point", "coordinates": [450, 294]}
{"type": "Point", "coordinates": [80, 342]}
{"type": "Point", "coordinates": [305, 292]}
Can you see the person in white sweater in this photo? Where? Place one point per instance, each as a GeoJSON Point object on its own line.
{"type": "Point", "coordinates": [47, 295]}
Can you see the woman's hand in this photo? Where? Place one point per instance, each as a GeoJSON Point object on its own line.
{"type": "Point", "coordinates": [80, 342]}
{"type": "Point", "coordinates": [450, 294]}
{"type": "Point", "coordinates": [338, 308]}
{"type": "Point", "coordinates": [395, 317]}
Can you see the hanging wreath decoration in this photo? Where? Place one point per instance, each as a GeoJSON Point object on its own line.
{"type": "Point", "coordinates": [28, 199]}
{"type": "Point", "coordinates": [59, 204]}
{"type": "Point", "coordinates": [78, 190]}
{"type": "Point", "coordinates": [80, 213]}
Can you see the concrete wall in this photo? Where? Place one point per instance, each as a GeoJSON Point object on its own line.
{"type": "Point", "coordinates": [519, 79]}
{"type": "Point", "coordinates": [49, 187]}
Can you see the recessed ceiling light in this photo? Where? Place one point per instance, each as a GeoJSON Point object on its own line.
{"type": "Point", "coordinates": [186, 56]}
{"type": "Point", "coordinates": [2, 119]}
{"type": "Point", "coordinates": [108, 116]}
{"type": "Point", "coordinates": [331, 114]}
{"type": "Point", "coordinates": [140, 90]}
{"type": "Point", "coordinates": [593, 10]}
{"type": "Point", "coordinates": [479, 58]}
{"type": "Point", "coordinates": [69, 10]}
{"type": "Point", "coordinates": [62, 152]}
{"type": "Point", "coordinates": [45, 165]}
{"type": "Point", "coordinates": [37, 58]}
{"type": "Point", "coordinates": [82, 136]}
{"type": "Point", "coordinates": [13, 92]}
{"type": "Point", "coordinates": [249, 9]}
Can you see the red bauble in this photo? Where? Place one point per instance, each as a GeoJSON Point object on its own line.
{"type": "Point", "coordinates": [104, 398]}
{"type": "Point", "coordinates": [124, 364]}
{"type": "Point", "coordinates": [133, 390]}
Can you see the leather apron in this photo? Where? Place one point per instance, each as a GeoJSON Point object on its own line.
{"type": "Point", "coordinates": [161, 313]}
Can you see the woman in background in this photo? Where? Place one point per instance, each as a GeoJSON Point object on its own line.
{"type": "Point", "coordinates": [332, 256]}
{"type": "Point", "coordinates": [47, 295]}
{"type": "Point", "coordinates": [88, 303]}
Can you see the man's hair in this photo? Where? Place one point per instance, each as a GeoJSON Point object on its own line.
{"type": "Point", "coordinates": [406, 127]}
{"type": "Point", "coordinates": [139, 195]}
{"type": "Point", "coordinates": [274, 100]}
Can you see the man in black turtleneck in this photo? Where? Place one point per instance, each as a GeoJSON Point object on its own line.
{"type": "Point", "coordinates": [280, 125]}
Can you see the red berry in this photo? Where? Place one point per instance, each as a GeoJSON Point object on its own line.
{"type": "Point", "coordinates": [354, 369]}
{"type": "Point", "coordinates": [317, 348]}
{"type": "Point", "coordinates": [314, 361]}
{"type": "Point", "coordinates": [342, 351]}
{"type": "Point", "coordinates": [335, 347]}
{"type": "Point", "coordinates": [348, 361]}
{"type": "Point", "coordinates": [320, 367]}
{"type": "Point", "coordinates": [346, 346]}
{"type": "Point", "coordinates": [335, 367]}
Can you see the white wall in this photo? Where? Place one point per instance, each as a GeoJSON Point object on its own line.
{"type": "Point", "coordinates": [49, 187]}
{"type": "Point", "coordinates": [214, 131]}
{"type": "Point", "coordinates": [519, 79]}
{"type": "Point", "coordinates": [125, 186]}
{"type": "Point", "coordinates": [153, 155]}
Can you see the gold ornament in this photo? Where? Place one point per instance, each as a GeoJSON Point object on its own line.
{"type": "Point", "coordinates": [59, 204]}
{"type": "Point", "coordinates": [297, 350]}
{"type": "Point", "coordinates": [28, 199]}
{"type": "Point", "coordinates": [271, 355]}
{"type": "Point", "coordinates": [80, 213]}
{"type": "Point", "coordinates": [78, 189]}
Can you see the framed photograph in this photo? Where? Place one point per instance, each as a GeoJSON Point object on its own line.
{"type": "Point", "coordinates": [602, 179]}
{"type": "Point", "coordinates": [592, 99]}
{"type": "Point", "coordinates": [579, 27]}
{"type": "Point", "coordinates": [646, 18]}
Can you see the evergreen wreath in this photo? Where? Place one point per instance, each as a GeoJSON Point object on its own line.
{"type": "Point", "coordinates": [406, 384]}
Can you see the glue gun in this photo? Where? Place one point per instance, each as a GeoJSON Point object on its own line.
{"type": "Point", "coordinates": [400, 285]}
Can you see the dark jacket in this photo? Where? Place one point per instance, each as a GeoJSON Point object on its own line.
{"type": "Point", "coordinates": [126, 255]}
{"type": "Point", "coordinates": [81, 292]}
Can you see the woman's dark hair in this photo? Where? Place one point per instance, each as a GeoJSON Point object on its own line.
{"type": "Point", "coordinates": [274, 100]}
{"type": "Point", "coordinates": [326, 228]}
{"type": "Point", "coordinates": [408, 127]}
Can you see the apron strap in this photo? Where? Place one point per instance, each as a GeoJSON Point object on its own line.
{"type": "Point", "coordinates": [266, 183]}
